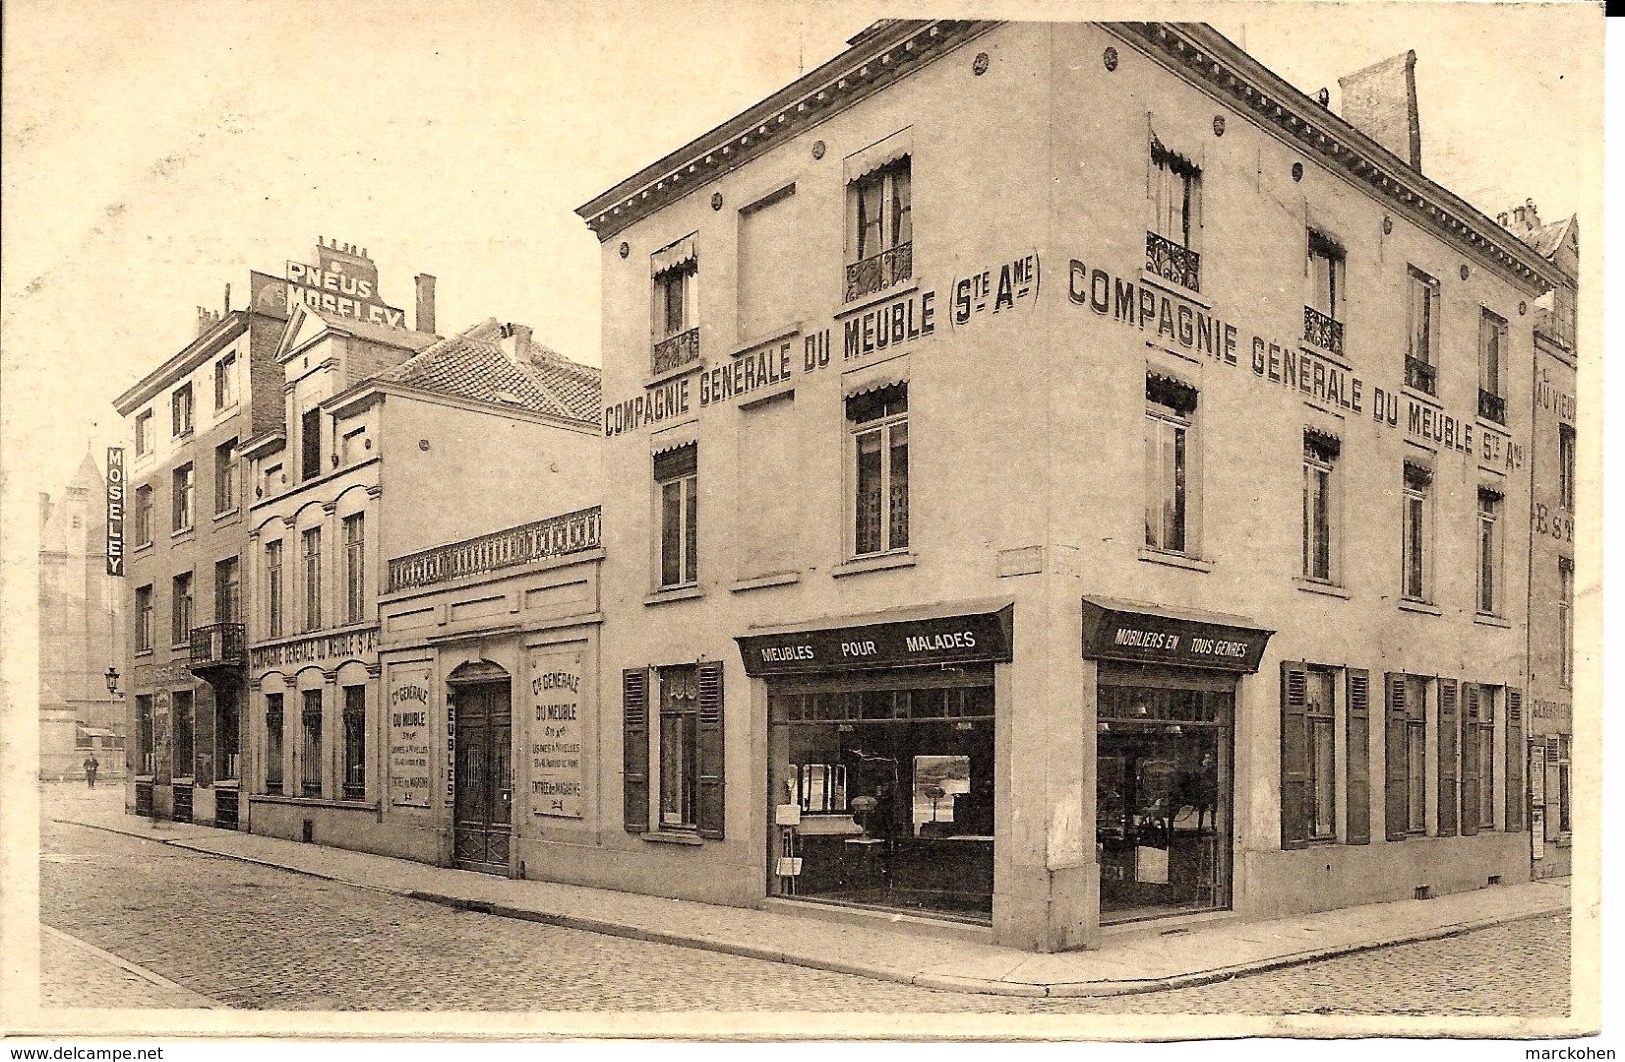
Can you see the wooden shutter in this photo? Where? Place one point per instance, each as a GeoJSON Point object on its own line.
{"type": "Point", "coordinates": [1358, 829]}
{"type": "Point", "coordinates": [1294, 755]}
{"type": "Point", "coordinates": [1516, 757]}
{"type": "Point", "coordinates": [1394, 759]}
{"type": "Point", "coordinates": [712, 761]}
{"type": "Point", "coordinates": [1449, 732]}
{"type": "Point", "coordinates": [1469, 761]}
{"type": "Point", "coordinates": [635, 749]}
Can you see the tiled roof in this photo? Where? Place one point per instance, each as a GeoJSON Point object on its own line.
{"type": "Point", "coordinates": [473, 365]}
{"type": "Point", "coordinates": [1548, 238]}
{"type": "Point", "coordinates": [404, 338]}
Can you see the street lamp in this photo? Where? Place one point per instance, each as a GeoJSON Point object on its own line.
{"type": "Point", "coordinates": [112, 681]}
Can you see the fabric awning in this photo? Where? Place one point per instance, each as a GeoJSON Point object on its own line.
{"type": "Point", "coordinates": [680, 253]}
{"type": "Point", "coordinates": [875, 156]}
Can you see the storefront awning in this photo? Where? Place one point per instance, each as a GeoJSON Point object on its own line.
{"type": "Point", "coordinates": [1155, 634]}
{"type": "Point", "coordinates": [961, 632]}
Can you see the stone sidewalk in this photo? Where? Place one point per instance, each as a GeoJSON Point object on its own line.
{"type": "Point", "coordinates": [1143, 961]}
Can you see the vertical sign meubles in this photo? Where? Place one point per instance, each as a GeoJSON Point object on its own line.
{"type": "Point", "coordinates": [410, 756]}
{"type": "Point", "coordinates": [115, 510]}
{"type": "Point", "coordinates": [554, 728]}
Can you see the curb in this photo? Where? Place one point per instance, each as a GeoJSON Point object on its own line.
{"type": "Point", "coordinates": [204, 1002]}
{"type": "Point", "coordinates": [938, 982]}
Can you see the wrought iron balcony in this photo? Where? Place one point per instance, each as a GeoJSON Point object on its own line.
{"type": "Point", "coordinates": [1321, 331]}
{"type": "Point", "coordinates": [1173, 261]}
{"type": "Point", "coordinates": [557, 536]}
{"type": "Point", "coordinates": [879, 272]}
{"type": "Point", "coordinates": [675, 351]}
{"type": "Point", "coordinates": [1492, 406]}
{"type": "Point", "coordinates": [1420, 375]}
{"type": "Point", "coordinates": [219, 645]}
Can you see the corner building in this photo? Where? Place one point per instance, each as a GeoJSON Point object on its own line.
{"type": "Point", "coordinates": [1049, 485]}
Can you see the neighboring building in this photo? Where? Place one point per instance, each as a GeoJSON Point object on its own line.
{"type": "Point", "coordinates": [389, 445]}
{"type": "Point", "coordinates": [186, 530]}
{"type": "Point", "coordinates": [81, 632]}
{"type": "Point", "coordinates": [1552, 517]}
{"type": "Point", "coordinates": [1048, 483]}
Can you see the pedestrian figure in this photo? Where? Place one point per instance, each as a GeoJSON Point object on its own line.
{"type": "Point", "coordinates": [91, 766]}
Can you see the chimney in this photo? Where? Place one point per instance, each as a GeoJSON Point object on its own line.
{"type": "Point", "coordinates": [206, 319]}
{"type": "Point", "coordinates": [514, 339]}
{"type": "Point", "coordinates": [1380, 101]}
{"type": "Point", "coordinates": [425, 314]}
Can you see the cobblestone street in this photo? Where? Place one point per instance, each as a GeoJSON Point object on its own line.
{"type": "Point", "coordinates": [256, 937]}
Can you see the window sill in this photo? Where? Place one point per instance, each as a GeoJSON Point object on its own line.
{"type": "Point", "coordinates": [187, 434]}
{"type": "Point", "coordinates": [1326, 354]}
{"type": "Point", "coordinates": [907, 287]}
{"type": "Point", "coordinates": [1314, 586]}
{"type": "Point", "coordinates": [878, 562]}
{"type": "Point", "coordinates": [312, 802]}
{"type": "Point", "coordinates": [144, 652]}
{"type": "Point", "coordinates": [1421, 396]}
{"type": "Point", "coordinates": [143, 548]}
{"type": "Point", "coordinates": [672, 837]}
{"type": "Point", "coordinates": [1174, 288]}
{"type": "Point", "coordinates": [178, 646]}
{"type": "Point", "coordinates": [1175, 560]}
{"type": "Point", "coordinates": [762, 582]}
{"type": "Point", "coordinates": [672, 374]}
{"type": "Point", "coordinates": [676, 593]}
{"type": "Point", "coordinates": [1492, 621]}
{"type": "Point", "coordinates": [227, 514]}
{"type": "Point", "coordinates": [1423, 607]}
{"type": "Point", "coordinates": [181, 532]}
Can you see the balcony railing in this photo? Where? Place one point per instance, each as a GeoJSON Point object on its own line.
{"type": "Point", "coordinates": [218, 645]}
{"type": "Point", "coordinates": [1420, 375]}
{"type": "Point", "coordinates": [1173, 261]}
{"type": "Point", "coordinates": [1492, 406]}
{"type": "Point", "coordinates": [675, 351]}
{"type": "Point", "coordinates": [557, 536]}
{"type": "Point", "coordinates": [1321, 331]}
{"type": "Point", "coordinates": [879, 272]}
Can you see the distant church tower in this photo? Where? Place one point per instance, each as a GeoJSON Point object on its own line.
{"type": "Point", "coordinates": [81, 611]}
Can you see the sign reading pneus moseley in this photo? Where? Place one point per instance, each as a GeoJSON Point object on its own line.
{"type": "Point", "coordinates": [409, 746]}
{"type": "Point", "coordinates": [556, 776]}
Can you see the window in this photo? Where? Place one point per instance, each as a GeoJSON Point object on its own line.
{"type": "Point", "coordinates": [180, 410]}
{"type": "Point", "coordinates": [273, 479]}
{"type": "Point", "coordinates": [310, 444]}
{"type": "Point", "coordinates": [181, 498]}
{"type": "Point", "coordinates": [1406, 756]}
{"type": "Point", "coordinates": [143, 618]}
{"type": "Point", "coordinates": [1490, 592]}
{"type": "Point", "coordinates": [675, 327]}
{"type": "Point", "coordinates": [769, 249]}
{"type": "Point", "coordinates": [1565, 622]}
{"type": "Point", "coordinates": [225, 728]}
{"type": "Point", "coordinates": [1565, 460]}
{"type": "Point", "coordinates": [181, 609]}
{"type": "Point", "coordinates": [1481, 727]}
{"type": "Point", "coordinates": [1421, 359]}
{"type": "Point", "coordinates": [312, 540]}
{"type": "Point", "coordinates": [355, 743]}
{"type": "Point", "coordinates": [1176, 199]}
{"type": "Point", "coordinates": [182, 748]}
{"type": "Point", "coordinates": [679, 747]}
{"type": "Point", "coordinates": [1320, 452]}
{"type": "Point", "coordinates": [310, 744]}
{"type": "Point", "coordinates": [143, 432]}
{"type": "Point", "coordinates": [880, 225]}
{"type": "Point", "coordinates": [1416, 518]}
{"type": "Point", "coordinates": [676, 475]}
{"type": "Point", "coordinates": [225, 381]}
{"type": "Point", "coordinates": [879, 425]}
{"type": "Point", "coordinates": [1170, 405]}
{"type": "Point", "coordinates": [1319, 781]}
{"type": "Point", "coordinates": [273, 589]}
{"type": "Point", "coordinates": [355, 445]}
{"type": "Point", "coordinates": [674, 297]}
{"type": "Point", "coordinates": [144, 734]}
{"type": "Point", "coordinates": [142, 514]}
{"type": "Point", "coordinates": [225, 477]}
{"type": "Point", "coordinates": [1322, 787]}
{"type": "Point", "coordinates": [273, 743]}
{"type": "Point", "coordinates": [1492, 339]}
{"type": "Point", "coordinates": [1324, 311]}
{"type": "Point", "coordinates": [1563, 742]}
{"type": "Point", "coordinates": [355, 569]}
{"type": "Point", "coordinates": [228, 592]}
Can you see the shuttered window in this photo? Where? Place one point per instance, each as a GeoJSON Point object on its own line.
{"type": "Point", "coordinates": [1516, 758]}
{"type": "Point", "coordinates": [712, 761]}
{"type": "Point", "coordinates": [1358, 804]}
{"type": "Point", "coordinates": [689, 731]}
{"type": "Point", "coordinates": [1449, 798]}
{"type": "Point", "coordinates": [635, 749]}
{"type": "Point", "coordinates": [1405, 756]}
{"type": "Point", "coordinates": [1478, 760]}
{"type": "Point", "coordinates": [1294, 755]}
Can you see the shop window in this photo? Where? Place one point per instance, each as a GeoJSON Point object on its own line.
{"type": "Point", "coordinates": [1406, 759]}
{"type": "Point", "coordinates": [355, 568]}
{"type": "Point", "coordinates": [144, 737]}
{"type": "Point", "coordinates": [1565, 622]}
{"type": "Point", "coordinates": [143, 432]}
{"type": "Point", "coordinates": [1324, 311]}
{"type": "Point", "coordinates": [310, 444]}
{"type": "Point", "coordinates": [1422, 355]}
{"type": "Point", "coordinates": [225, 476]}
{"type": "Point", "coordinates": [1169, 494]}
{"type": "Point", "coordinates": [688, 739]}
{"type": "Point", "coordinates": [182, 748]}
{"type": "Point", "coordinates": [311, 543]}
{"type": "Point", "coordinates": [880, 227]}
{"type": "Point", "coordinates": [141, 513]}
{"type": "Point", "coordinates": [1416, 562]}
{"type": "Point", "coordinates": [228, 592]}
{"type": "Point", "coordinates": [1492, 352]}
{"type": "Point", "coordinates": [273, 589]}
{"type": "Point", "coordinates": [1321, 506]}
{"type": "Point", "coordinates": [143, 619]}
{"type": "Point", "coordinates": [676, 477]}
{"type": "Point", "coordinates": [180, 614]}
{"type": "Point", "coordinates": [1170, 244]}
{"type": "Point", "coordinates": [1565, 459]}
{"type": "Point", "coordinates": [878, 422]}
{"type": "Point", "coordinates": [273, 743]}
{"type": "Point", "coordinates": [310, 743]}
{"type": "Point", "coordinates": [225, 381]}
{"type": "Point", "coordinates": [355, 742]}
{"type": "Point", "coordinates": [1478, 759]}
{"type": "Point", "coordinates": [1490, 592]}
{"type": "Point", "coordinates": [182, 490]}
{"type": "Point", "coordinates": [180, 411]}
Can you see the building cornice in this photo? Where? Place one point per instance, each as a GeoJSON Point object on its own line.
{"type": "Point", "coordinates": [878, 59]}
{"type": "Point", "coordinates": [1208, 60]}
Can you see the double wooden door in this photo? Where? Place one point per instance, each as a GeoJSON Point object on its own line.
{"type": "Point", "coordinates": [484, 781]}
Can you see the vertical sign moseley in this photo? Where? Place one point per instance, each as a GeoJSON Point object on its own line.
{"type": "Point", "coordinates": [115, 510]}
{"type": "Point", "coordinates": [555, 732]}
{"type": "Point", "coordinates": [410, 779]}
